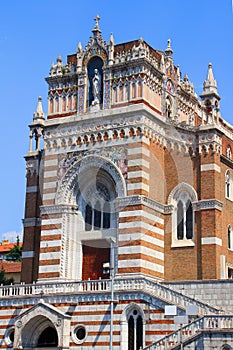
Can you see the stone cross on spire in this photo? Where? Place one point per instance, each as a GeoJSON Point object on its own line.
{"type": "Point", "coordinates": [96, 19]}
{"type": "Point", "coordinates": [96, 31]}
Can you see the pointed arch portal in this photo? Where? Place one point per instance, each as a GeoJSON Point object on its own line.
{"type": "Point", "coordinates": [92, 185]}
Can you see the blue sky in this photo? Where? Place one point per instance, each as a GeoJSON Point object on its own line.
{"type": "Point", "coordinates": [33, 33]}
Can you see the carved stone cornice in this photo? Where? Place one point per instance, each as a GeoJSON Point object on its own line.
{"type": "Point", "coordinates": [206, 204]}
{"type": "Point", "coordinates": [58, 209]}
{"type": "Point", "coordinates": [142, 200]}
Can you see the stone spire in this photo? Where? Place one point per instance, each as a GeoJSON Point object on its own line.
{"type": "Point", "coordinates": [38, 116]}
{"type": "Point", "coordinates": [210, 97]}
{"type": "Point", "coordinates": [210, 85]}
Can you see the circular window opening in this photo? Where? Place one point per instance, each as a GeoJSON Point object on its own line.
{"type": "Point", "coordinates": [135, 312]}
{"type": "Point", "coordinates": [80, 334]}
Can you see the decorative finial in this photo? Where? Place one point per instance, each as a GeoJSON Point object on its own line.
{"type": "Point", "coordinates": [96, 19]}
{"type": "Point", "coordinates": [169, 50]}
{"type": "Point", "coordinates": [141, 39]}
{"type": "Point", "coordinates": [186, 78]}
{"type": "Point", "coordinates": [59, 59]}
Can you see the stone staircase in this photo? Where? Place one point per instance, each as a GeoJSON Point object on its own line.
{"type": "Point", "coordinates": [192, 331]}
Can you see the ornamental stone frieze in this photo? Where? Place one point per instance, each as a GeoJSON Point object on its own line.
{"type": "Point", "coordinates": [132, 126]}
{"type": "Point", "coordinates": [118, 155]}
{"type": "Point", "coordinates": [210, 140]}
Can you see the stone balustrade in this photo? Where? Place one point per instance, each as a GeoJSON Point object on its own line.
{"type": "Point", "coordinates": [150, 287]}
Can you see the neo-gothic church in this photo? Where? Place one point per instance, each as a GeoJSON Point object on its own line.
{"type": "Point", "coordinates": [129, 208]}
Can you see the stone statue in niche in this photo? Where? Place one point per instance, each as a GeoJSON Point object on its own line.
{"type": "Point", "coordinates": [96, 87]}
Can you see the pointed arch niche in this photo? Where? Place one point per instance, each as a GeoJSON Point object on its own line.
{"type": "Point", "coordinates": [90, 187]}
{"type": "Point", "coordinates": [94, 63]}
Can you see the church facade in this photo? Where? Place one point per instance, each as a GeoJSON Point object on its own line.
{"type": "Point", "coordinates": [129, 206]}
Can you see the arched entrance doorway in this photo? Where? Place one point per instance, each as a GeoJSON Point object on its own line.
{"type": "Point", "coordinates": [43, 326]}
{"type": "Point", "coordinates": [39, 333]}
{"type": "Point", "coordinates": [91, 185]}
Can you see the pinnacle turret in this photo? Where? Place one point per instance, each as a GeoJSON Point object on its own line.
{"type": "Point", "coordinates": [210, 84]}
{"type": "Point", "coordinates": [36, 128]}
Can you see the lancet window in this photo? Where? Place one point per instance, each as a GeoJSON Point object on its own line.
{"type": "Point", "coordinates": [182, 198]}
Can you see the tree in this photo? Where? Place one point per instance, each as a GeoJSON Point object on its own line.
{"type": "Point", "coordinates": [3, 280]}
{"type": "Point", "coordinates": [15, 254]}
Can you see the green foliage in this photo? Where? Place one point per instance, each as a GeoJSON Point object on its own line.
{"type": "Point", "coordinates": [3, 280]}
{"type": "Point", "coordinates": [15, 254]}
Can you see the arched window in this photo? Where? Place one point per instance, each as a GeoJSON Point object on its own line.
{"type": "Point", "coordinates": [180, 221]}
{"type": "Point", "coordinates": [56, 104]}
{"type": "Point", "coordinates": [88, 217]}
{"type": "Point", "coordinates": [140, 89]}
{"type": "Point", "coordinates": [182, 198]}
{"type": "Point", "coordinates": [229, 237]}
{"type": "Point", "coordinates": [63, 103]}
{"type": "Point", "coordinates": [131, 333]}
{"type": "Point", "coordinates": [51, 105]}
{"type": "Point", "coordinates": [189, 220]}
{"type": "Point", "coordinates": [121, 93]}
{"type": "Point", "coordinates": [95, 199]}
{"type": "Point", "coordinates": [228, 152]}
{"type": "Point", "coordinates": [97, 216]}
{"type": "Point", "coordinates": [133, 90]}
{"type": "Point", "coordinates": [135, 330]}
{"type": "Point", "coordinates": [69, 103]}
{"type": "Point", "coordinates": [106, 215]}
{"type": "Point", "coordinates": [228, 185]}
{"type": "Point", "coordinates": [184, 220]}
{"type": "Point", "coordinates": [97, 212]}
